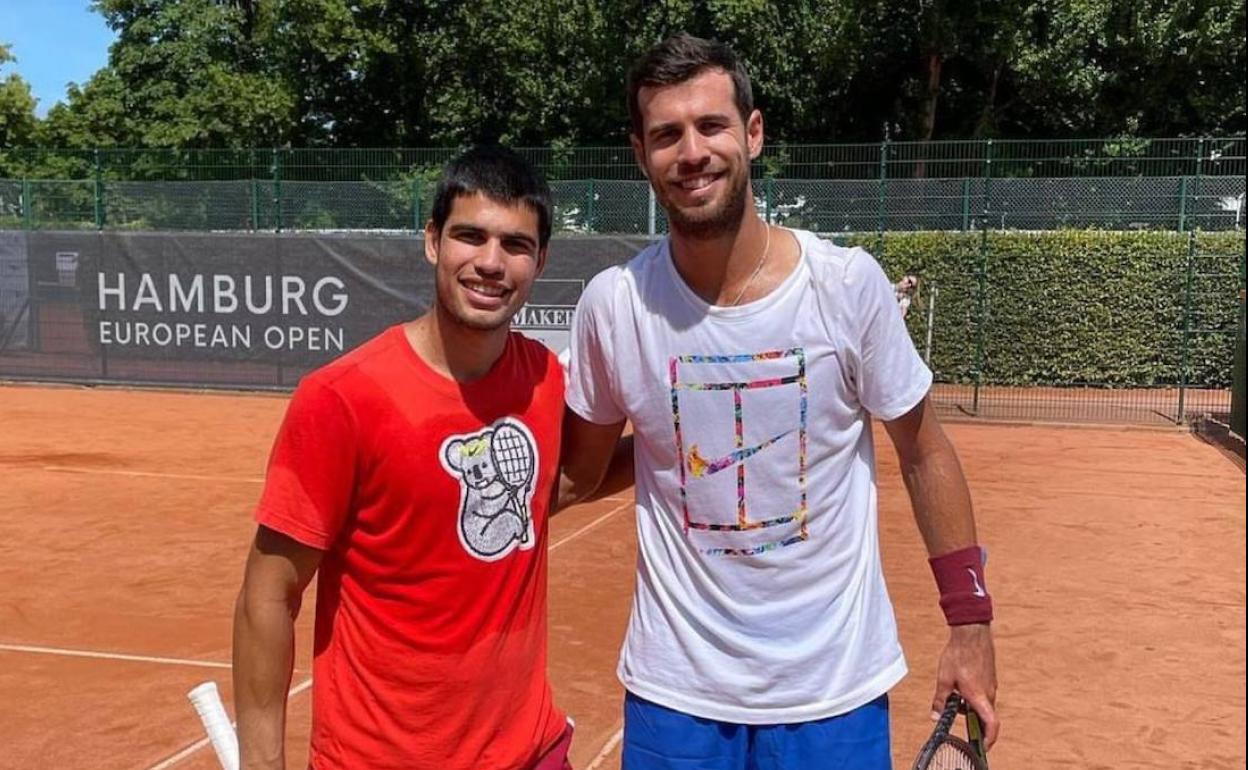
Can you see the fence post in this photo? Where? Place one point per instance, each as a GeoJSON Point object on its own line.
{"type": "Point", "coordinates": [417, 214]}
{"type": "Point", "coordinates": [1200, 170]}
{"type": "Point", "coordinates": [651, 211]}
{"type": "Point", "coordinates": [966, 205]}
{"type": "Point", "coordinates": [879, 223]}
{"type": "Point", "coordinates": [1237, 375]}
{"type": "Point", "coordinates": [26, 204]}
{"type": "Point", "coordinates": [255, 192]}
{"type": "Point", "coordinates": [1187, 325]}
{"type": "Point", "coordinates": [1185, 355]}
{"type": "Point", "coordinates": [589, 208]}
{"type": "Point", "coordinates": [981, 280]}
{"type": "Point", "coordinates": [988, 176]}
{"type": "Point", "coordinates": [276, 167]}
{"type": "Point", "coordinates": [99, 193]}
{"type": "Point", "coordinates": [769, 195]}
{"type": "Point", "coordinates": [1183, 204]}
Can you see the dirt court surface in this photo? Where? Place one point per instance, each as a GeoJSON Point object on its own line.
{"type": "Point", "coordinates": [1117, 563]}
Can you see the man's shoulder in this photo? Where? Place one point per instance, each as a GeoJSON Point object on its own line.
{"type": "Point", "coordinates": [632, 274]}
{"type": "Point", "coordinates": [533, 352]}
{"type": "Point", "coordinates": [339, 373]}
{"type": "Point", "coordinates": [826, 253]}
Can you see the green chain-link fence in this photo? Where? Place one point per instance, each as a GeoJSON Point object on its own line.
{"type": "Point", "coordinates": [1178, 184]}
{"type": "Point", "coordinates": [1060, 280]}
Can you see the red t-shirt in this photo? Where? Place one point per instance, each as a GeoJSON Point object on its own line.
{"type": "Point", "coordinates": [429, 498]}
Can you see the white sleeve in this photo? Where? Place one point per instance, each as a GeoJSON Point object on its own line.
{"type": "Point", "coordinates": [591, 389]}
{"type": "Point", "coordinates": [890, 376]}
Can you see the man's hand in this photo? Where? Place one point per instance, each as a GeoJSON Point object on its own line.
{"type": "Point", "coordinates": [969, 666]}
{"type": "Point", "coordinates": [592, 456]}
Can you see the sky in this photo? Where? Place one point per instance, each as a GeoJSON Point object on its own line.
{"type": "Point", "coordinates": [56, 42]}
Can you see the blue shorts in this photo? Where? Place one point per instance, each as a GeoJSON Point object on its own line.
{"type": "Point", "coordinates": [659, 738]}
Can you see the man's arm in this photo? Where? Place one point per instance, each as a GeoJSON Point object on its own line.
{"type": "Point", "coordinates": [942, 510]}
{"type": "Point", "coordinates": [278, 570]}
{"type": "Point", "coordinates": [592, 459]}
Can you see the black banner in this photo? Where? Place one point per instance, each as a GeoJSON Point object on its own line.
{"type": "Point", "coordinates": [234, 310]}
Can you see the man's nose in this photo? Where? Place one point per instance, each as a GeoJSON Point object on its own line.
{"type": "Point", "coordinates": [490, 258]}
{"type": "Point", "coordinates": [692, 150]}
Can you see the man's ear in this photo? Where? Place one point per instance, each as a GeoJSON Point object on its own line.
{"type": "Point", "coordinates": [542, 253]}
{"type": "Point", "coordinates": [431, 242]}
{"type": "Point", "coordinates": [754, 134]}
{"type": "Point", "coordinates": [639, 153]}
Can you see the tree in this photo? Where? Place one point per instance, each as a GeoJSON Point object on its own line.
{"type": "Point", "coordinates": [375, 73]}
{"type": "Point", "coordinates": [17, 107]}
{"type": "Point", "coordinates": [182, 73]}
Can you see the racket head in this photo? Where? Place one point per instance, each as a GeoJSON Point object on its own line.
{"type": "Point", "coordinates": [950, 753]}
{"type": "Point", "coordinates": [513, 455]}
{"type": "Point", "coordinates": [943, 751]}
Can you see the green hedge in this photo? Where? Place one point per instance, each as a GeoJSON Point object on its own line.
{"type": "Point", "coordinates": [1074, 307]}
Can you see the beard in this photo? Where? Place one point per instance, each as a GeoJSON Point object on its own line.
{"type": "Point", "coordinates": [709, 221]}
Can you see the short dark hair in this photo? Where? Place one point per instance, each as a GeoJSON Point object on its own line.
{"type": "Point", "coordinates": [683, 57]}
{"type": "Point", "coordinates": [499, 174]}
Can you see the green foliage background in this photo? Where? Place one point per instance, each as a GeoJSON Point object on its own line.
{"type": "Point", "coordinates": [389, 73]}
{"type": "Point", "coordinates": [1102, 308]}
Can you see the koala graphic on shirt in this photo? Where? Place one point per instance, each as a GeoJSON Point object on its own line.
{"type": "Point", "coordinates": [496, 467]}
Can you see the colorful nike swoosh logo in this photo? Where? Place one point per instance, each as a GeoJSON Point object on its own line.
{"type": "Point", "coordinates": [699, 466]}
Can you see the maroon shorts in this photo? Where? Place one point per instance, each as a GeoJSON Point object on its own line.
{"type": "Point", "coordinates": [557, 757]}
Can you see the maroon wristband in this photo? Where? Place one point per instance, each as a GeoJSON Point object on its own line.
{"type": "Point", "coordinates": [960, 578]}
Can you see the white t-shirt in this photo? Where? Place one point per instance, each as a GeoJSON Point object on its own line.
{"type": "Point", "coordinates": [759, 597]}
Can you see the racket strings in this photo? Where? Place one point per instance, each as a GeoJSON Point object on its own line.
{"type": "Point", "coordinates": [953, 756]}
{"type": "Point", "coordinates": [513, 455]}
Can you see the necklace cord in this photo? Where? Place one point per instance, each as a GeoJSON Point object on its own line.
{"type": "Point", "coordinates": [757, 269]}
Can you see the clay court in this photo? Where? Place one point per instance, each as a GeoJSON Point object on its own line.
{"type": "Point", "coordinates": [1118, 567]}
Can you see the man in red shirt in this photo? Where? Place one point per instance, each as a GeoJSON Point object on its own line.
{"type": "Point", "coordinates": [414, 474]}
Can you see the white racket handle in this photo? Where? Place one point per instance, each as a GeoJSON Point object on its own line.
{"type": "Point", "coordinates": [207, 702]}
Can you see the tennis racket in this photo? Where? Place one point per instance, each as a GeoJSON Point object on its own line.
{"type": "Point", "coordinates": [207, 702]}
{"type": "Point", "coordinates": [944, 751]}
{"type": "Point", "coordinates": [513, 458]}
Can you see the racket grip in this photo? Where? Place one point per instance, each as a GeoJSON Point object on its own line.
{"type": "Point", "coordinates": [207, 702]}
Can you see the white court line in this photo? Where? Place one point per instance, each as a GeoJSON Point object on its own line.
{"type": "Point", "coordinates": [151, 474]}
{"type": "Point", "coordinates": [592, 524]}
{"type": "Point", "coordinates": [607, 749]}
{"type": "Point", "coordinates": [111, 656]}
{"type": "Point", "coordinates": [202, 742]}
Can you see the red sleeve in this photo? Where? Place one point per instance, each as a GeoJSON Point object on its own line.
{"type": "Point", "coordinates": [311, 473]}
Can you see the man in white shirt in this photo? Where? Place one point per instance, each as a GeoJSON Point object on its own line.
{"type": "Point", "coordinates": [750, 360]}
